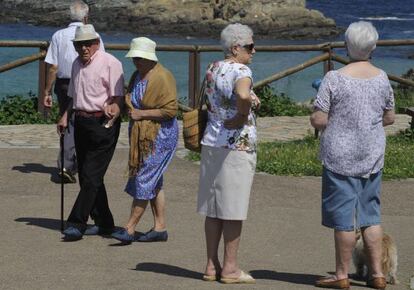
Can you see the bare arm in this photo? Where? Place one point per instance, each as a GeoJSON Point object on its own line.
{"type": "Point", "coordinates": [319, 120]}
{"type": "Point", "coordinates": [244, 100]}
{"type": "Point", "coordinates": [388, 118]}
{"type": "Point", "coordinates": [51, 78]}
{"type": "Point", "coordinates": [243, 103]}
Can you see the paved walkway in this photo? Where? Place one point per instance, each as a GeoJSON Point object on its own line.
{"type": "Point", "coordinates": [283, 244]}
{"type": "Point", "coordinates": [269, 129]}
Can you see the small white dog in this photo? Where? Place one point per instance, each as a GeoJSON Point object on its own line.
{"type": "Point", "coordinates": [389, 258]}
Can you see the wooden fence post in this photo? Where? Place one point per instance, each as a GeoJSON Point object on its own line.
{"type": "Point", "coordinates": [193, 77]}
{"type": "Point", "coordinates": [327, 66]}
{"type": "Point", "coordinates": [42, 83]}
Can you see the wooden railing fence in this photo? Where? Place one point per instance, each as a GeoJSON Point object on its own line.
{"type": "Point", "coordinates": [328, 57]}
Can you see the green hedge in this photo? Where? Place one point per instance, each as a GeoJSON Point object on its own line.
{"type": "Point", "coordinates": [274, 104]}
{"type": "Point", "coordinates": [16, 110]}
{"type": "Point", "coordinates": [404, 95]}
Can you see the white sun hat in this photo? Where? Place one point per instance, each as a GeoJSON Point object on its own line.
{"type": "Point", "coordinates": [142, 47]}
{"type": "Point", "coordinates": [85, 32]}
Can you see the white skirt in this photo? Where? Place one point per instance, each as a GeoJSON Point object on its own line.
{"type": "Point", "coordinates": [226, 178]}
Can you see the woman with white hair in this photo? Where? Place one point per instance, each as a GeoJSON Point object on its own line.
{"type": "Point", "coordinates": [352, 107]}
{"type": "Point", "coordinates": [228, 156]}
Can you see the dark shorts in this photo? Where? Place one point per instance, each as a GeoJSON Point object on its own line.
{"type": "Point", "coordinates": [350, 202]}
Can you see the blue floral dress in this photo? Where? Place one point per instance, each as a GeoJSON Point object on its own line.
{"type": "Point", "coordinates": [149, 179]}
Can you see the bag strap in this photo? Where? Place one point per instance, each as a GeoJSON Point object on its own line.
{"type": "Point", "coordinates": [202, 94]}
{"type": "Point", "coordinates": [202, 97]}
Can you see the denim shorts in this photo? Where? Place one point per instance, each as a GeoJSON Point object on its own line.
{"type": "Point", "coordinates": [350, 203]}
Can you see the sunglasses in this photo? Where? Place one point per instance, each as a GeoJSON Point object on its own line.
{"type": "Point", "coordinates": [87, 43]}
{"type": "Point", "coordinates": [249, 47]}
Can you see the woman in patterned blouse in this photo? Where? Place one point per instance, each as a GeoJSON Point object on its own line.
{"type": "Point", "coordinates": [228, 157]}
{"type": "Point", "coordinates": [352, 107]}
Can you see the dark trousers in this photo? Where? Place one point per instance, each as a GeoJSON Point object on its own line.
{"type": "Point", "coordinates": [95, 146]}
{"type": "Point", "coordinates": [61, 91]}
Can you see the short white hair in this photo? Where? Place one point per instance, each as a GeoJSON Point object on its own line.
{"type": "Point", "coordinates": [78, 10]}
{"type": "Point", "coordinates": [235, 34]}
{"type": "Point", "coordinates": [361, 39]}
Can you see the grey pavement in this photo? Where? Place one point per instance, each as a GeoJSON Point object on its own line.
{"type": "Point", "coordinates": [283, 244]}
{"type": "Point", "coordinates": [269, 129]}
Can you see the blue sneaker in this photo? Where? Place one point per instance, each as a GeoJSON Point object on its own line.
{"type": "Point", "coordinates": [153, 236]}
{"type": "Point", "coordinates": [96, 230]}
{"type": "Point", "coordinates": [123, 236]}
{"type": "Point", "coordinates": [72, 234]}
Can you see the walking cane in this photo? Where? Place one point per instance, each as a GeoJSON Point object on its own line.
{"type": "Point", "coordinates": [62, 184]}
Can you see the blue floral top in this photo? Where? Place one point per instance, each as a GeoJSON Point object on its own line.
{"type": "Point", "coordinates": [353, 142]}
{"type": "Point", "coordinates": [221, 78]}
{"type": "Point", "coordinates": [149, 178]}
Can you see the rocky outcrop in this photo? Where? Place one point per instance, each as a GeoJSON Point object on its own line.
{"type": "Point", "coordinates": [201, 18]}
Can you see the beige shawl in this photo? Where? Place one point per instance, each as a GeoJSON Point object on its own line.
{"type": "Point", "coordinates": [160, 93]}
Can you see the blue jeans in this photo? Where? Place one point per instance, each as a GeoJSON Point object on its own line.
{"type": "Point", "coordinates": [350, 202]}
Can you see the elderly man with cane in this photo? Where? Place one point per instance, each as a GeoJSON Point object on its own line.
{"type": "Point", "coordinates": [97, 90]}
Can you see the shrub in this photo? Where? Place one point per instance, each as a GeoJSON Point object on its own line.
{"type": "Point", "coordinates": [16, 110]}
{"type": "Point", "coordinates": [273, 104]}
{"type": "Point", "coordinates": [404, 95]}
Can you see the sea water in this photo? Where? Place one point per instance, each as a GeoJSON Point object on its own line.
{"type": "Point", "coordinates": [392, 23]}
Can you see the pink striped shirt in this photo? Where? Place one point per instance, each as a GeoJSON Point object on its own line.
{"type": "Point", "coordinates": [93, 84]}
